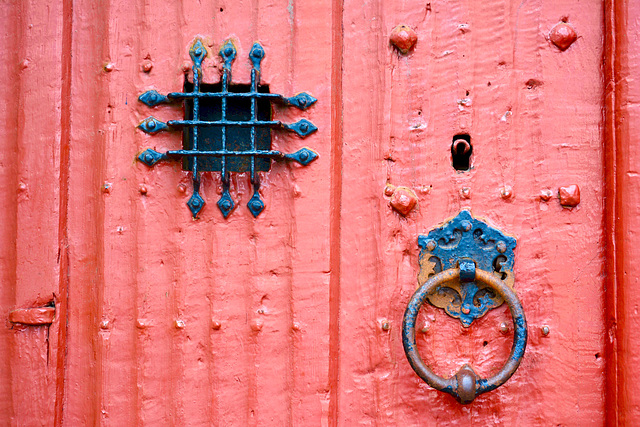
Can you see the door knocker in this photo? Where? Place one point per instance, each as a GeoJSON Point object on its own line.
{"type": "Point", "coordinates": [466, 268]}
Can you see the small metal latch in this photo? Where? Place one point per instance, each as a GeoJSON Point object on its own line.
{"type": "Point", "coordinates": [35, 316]}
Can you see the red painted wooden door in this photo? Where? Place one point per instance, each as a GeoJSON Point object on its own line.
{"type": "Point", "coordinates": [294, 318]}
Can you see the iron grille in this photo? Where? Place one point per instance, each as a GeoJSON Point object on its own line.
{"type": "Point", "coordinates": [196, 157]}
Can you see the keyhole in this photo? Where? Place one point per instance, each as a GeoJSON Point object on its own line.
{"type": "Point", "coordinates": [461, 151]}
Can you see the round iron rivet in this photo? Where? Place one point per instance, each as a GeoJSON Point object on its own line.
{"type": "Point", "coordinates": [228, 51]}
{"type": "Point", "coordinates": [106, 187]}
{"type": "Point", "coordinates": [466, 225]}
{"type": "Point", "coordinates": [465, 310]}
{"type": "Point", "coordinates": [304, 127]}
{"type": "Point", "coordinates": [506, 192]}
{"type": "Point", "coordinates": [256, 204]}
{"type": "Point", "coordinates": [147, 66]}
{"type": "Point", "coordinates": [141, 323]}
{"type": "Point", "coordinates": [215, 325]}
{"type": "Point", "coordinates": [304, 156]}
{"type": "Point", "coordinates": [546, 195]}
{"type": "Point", "coordinates": [545, 330]}
{"type": "Point", "coordinates": [403, 38]}
{"type": "Point", "coordinates": [504, 327]}
{"type": "Point", "coordinates": [148, 158]}
{"type": "Point", "coordinates": [302, 102]}
{"type": "Point", "coordinates": [386, 326]}
{"type": "Point", "coordinates": [465, 192]}
{"type": "Point", "coordinates": [501, 247]}
{"type": "Point", "coordinates": [182, 188]}
{"type": "Point", "coordinates": [569, 196]}
{"type": "Point", "coordinates": [179, 324]}
{"type": "Point", "coordinates": [195, 203]}
{"type": "Point", "coordinates": [226, 205]}
{"type": "Point", "coordinates": [295, 326]}
{"type": "Point", "coordinates": [256, 325]}
{"type": "Point", "coordinates": [151, 124]}
{"type": "Point", "coordinates": [22, 186]}
{"type": "Point", "coordinates": [143, 189]}
{"type": "Point", "coordinates": [109, 67]}
{"type": "Point", "coordinates": [153, 97]}
{"type": "Point", "coordinates": [389, 189]}
{"type": "Point", "coordinates": [431, 245]}
{"type": "Point", "coordinates": [198, 51]}
{"type": "Point", "coordinates": [104, 324]}
{"type": "Point", "coordinates": [425, 328]}
{"type": "Point", "coordinates": [563, 36]}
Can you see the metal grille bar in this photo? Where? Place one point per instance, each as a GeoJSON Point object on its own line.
{"type": "Point", "coordinates": [152, 125]}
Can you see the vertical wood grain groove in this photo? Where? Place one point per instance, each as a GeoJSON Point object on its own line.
{"type": "Point", "coordinates": [65, 138]}
{"type": "Point", "coordinates": [336, 207]}
{"type": "Point", "coordinates": [291, 353]}
{"type": "Point", "coordinates": [12, 23]}
{"type": "Point", "coordinates": [611, 281]}
{"type": "Point", "coordinates": [622, 208]}
{"type": "Point", "coordinates": [103, 122]}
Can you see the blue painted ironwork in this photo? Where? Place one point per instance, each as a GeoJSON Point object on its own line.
{"type": "Point", "coordinates": [454, 245]}
{"type": "Point", "coordinates": [466, 268]}
{"type": "Point", "coordinates": [227, 151]}
{"type": "Point", "coordinates": [465, 385]}
{"type": "Point", "coordinates": [152, 98]}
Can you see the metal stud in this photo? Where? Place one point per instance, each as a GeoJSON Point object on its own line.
{"type": "Point", "coordinates": [226, 204]}
{"type": "Point", "coordinates": [563, 36]}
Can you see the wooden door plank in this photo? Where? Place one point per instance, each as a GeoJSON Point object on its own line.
{"type": "Point", "coordinates": [148, 284]}
{"type": "Point", "coordinates": [485, 69]}
{"type": "Point", "coordinates": [89, 112]}
{"type": "Point", "coordinates": [9, 62]}
{"type": "Point", "coordinates": [31, 120]}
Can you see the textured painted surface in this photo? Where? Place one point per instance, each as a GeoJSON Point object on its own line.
{"type": "Point", "coordinates": [159, 280]}
{"type": "Point", "coordinates": [294, 318]}
{"type": "Point", "coordinates": [534, 114]}
{"type": "Point", "coordinates": [622, 219]}
{"type": "Point", "coordinates": [31, 119]}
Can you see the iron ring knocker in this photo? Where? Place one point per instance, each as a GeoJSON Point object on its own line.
{"type": "Point", "coordinates": [465, 385]}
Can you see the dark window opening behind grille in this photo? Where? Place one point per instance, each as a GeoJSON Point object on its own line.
{"type": "Point", "coordinates": [238, 138]}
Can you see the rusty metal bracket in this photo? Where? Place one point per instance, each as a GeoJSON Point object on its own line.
{"type": "Point", "coordinates": [195, 125]}
{"type": "Point", "coordinates": [454, 245]}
